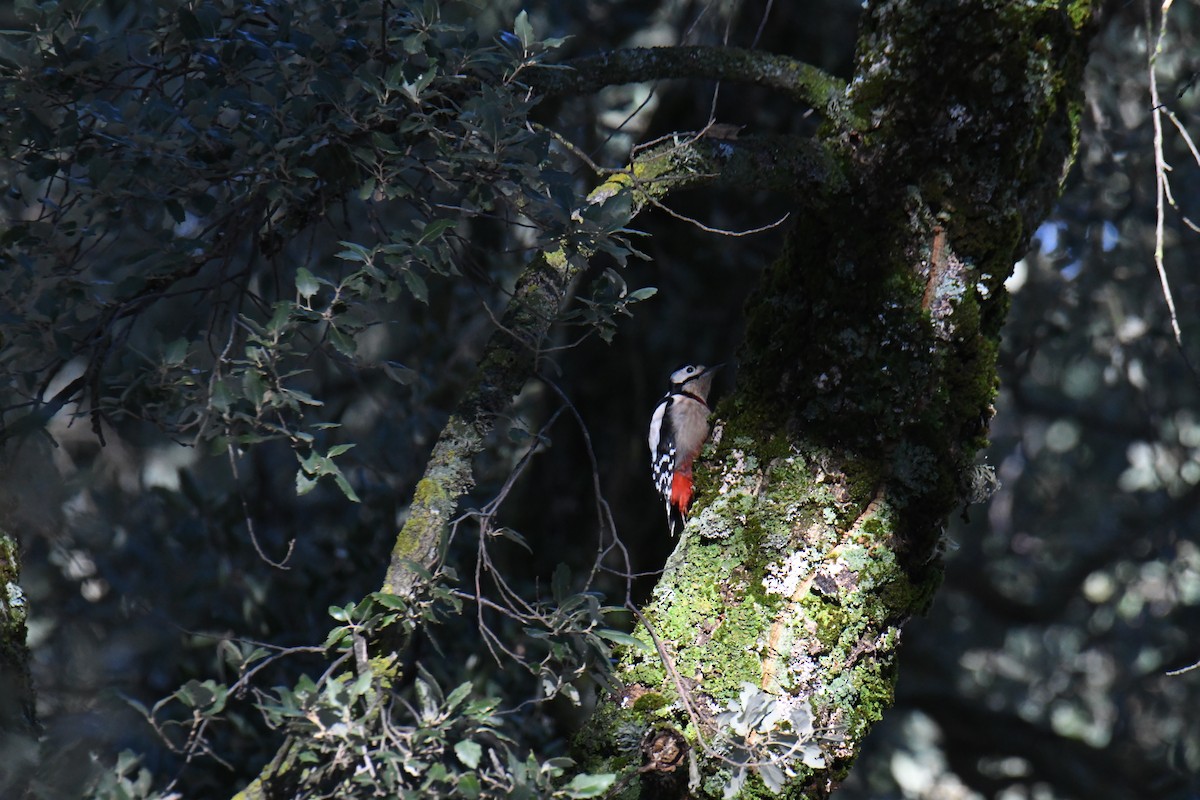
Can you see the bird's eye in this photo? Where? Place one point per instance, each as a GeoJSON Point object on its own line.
{"type": "Point", "coordinates": [691, 370]}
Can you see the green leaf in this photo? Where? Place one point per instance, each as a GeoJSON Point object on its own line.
{"type": "Point", "coordinates": [772, 776]}
{"type": "Point", "coordinates": [414, 89]}
{"type": "Point", "coordinates": [280, 315]}
{"type": "Point", "coordinates": [416, 285]}
{"type": "Point", "coordinates": [511, 535]}
{"type": "Point", "coordinates": [361, 684]}
{"type": "Point", "coordinates": [589, 785]}
{"type": "Point", "coordinates": [175, 352]}
{"type": "Point", "coordinates": [345, 486]}
{"type": "Point", "coordinates": [139, 706]}
{"type": "Point", "coordinates": [355, 252]}
{"type": "Point", "coordinates": [336, 636]}
{"type": "Point", "coordinates": [254, 388]}
{"type": "Point", "coordinates": [645, 293]}
{"type": "Point", "coordinates": [621, 638]}
{"type": "Point", "coordinates": [343, 342]}
{"type": "Point", "coordinates": [206, 695]}
{"type": "Point", "coordinates": [392, 601]}
{"type": "Point", "coordinates": [304, 397]}
{"type": "Point", "coordinates": [304, 684]}
{"type": "Point", "coordinates": [469, 786]}
{"type": "Point", "coordinates": [468, 753]}
{"type": "Point", "coordinates": [222, 694]}
{"type": "Point", "coordinates": [306, 283]}
{"type": "Point", "coordinates": [127, 761]}
{"type": "Point", "coordinates": [222, 396]}
{"type": "Point", "coordinates": [304, 484]}
{"type": "Point", "coordinates": [241, 657]}
{"type": "Point", "coordinates": [458, 695]}
{"type": "Point", "coordinates": [435, 229]}
{"type": "Point", "coordinates": [399, 373]}
{"type": "Point", "coordinates": [414, 43]}
{"type": "Point", "coordinates": [523, 29]}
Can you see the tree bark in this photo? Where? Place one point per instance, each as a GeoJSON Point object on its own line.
{"type": "Point", "coordinates": [865, 385]}
{"type": "Point", "coordinates": [19, 728]}
{"type": "Point", "coordinates": [803, 82]}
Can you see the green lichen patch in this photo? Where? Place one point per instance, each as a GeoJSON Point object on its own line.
{"type": "Point", "coordinates": [781, 582]}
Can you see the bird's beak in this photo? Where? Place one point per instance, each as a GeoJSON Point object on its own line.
{"type": "Point", "coordinates": [713, 368]}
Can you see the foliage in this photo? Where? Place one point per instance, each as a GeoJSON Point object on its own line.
{"type": "Point", "coordinates": [218, 212]}
{"type": "Point", "coordinates": [222, 199]}
{"type": "Point", "coordinates": [768, 738]}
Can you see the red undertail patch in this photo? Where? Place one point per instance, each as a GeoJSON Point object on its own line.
{"type": "Point", "coordinates": [681, 491]}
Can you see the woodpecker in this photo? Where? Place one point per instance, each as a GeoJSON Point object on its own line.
{"type": "Point", "coordinates": [678, 429]}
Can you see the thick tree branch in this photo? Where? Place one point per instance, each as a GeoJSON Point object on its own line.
{"type": "Point", "coordinates": [803, 82]}
{"type": "Point", "coordinates": [508, 361]}
{"type": "Point", "coordinates": [865, 384]}
{"type": "Point", "coordinates": [787, 164]}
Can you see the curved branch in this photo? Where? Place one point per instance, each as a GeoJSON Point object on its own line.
{"type": "Point", "coordinates": [802, 81]}
{"type": "Point", "coordinates": [789, 164]}
{"type": "Point", "coordinates": [508, 361]}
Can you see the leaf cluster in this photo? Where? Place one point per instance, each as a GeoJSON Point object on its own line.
{"type": "Point", "coordinates": [763, 735]}
{"type": "Point", "coordinates": [211, 202]}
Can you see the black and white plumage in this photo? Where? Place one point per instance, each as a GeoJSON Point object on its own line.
{"type": "Point", "coordinates": [678, 429]}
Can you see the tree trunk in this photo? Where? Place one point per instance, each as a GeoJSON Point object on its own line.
{"type": "Point", "coordinates": [865, 385]}
{"type": "Point", "coordinates": [19, 728]}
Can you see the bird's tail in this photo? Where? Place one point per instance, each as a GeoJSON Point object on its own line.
{"type": "Point", "coordinates": [675, 520]}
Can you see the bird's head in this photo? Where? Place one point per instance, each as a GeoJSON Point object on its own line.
{"type": "Point", "coordinates": [694, 379]}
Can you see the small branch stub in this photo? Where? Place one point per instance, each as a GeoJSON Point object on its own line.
{"type": "Point", "coordinates": [664, 754]}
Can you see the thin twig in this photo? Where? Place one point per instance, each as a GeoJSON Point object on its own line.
{"type": "Point", "coordinates": [1182, 670]}
{"type": "Point", "coordinates": [1154, 46]}
{"type": "Point", "coordinates": [628, 118]}
{"type": "Point", "coordinates": [762, 24]}
{"type": "Point", "coordinates": [1191, 145]}
{"type": "Point", "coordinates": [250, 520]}
{"type": "Point", "coordinates": [721, 231]}
{"type": "Point", "coordinates": [573, 149]}
{"type": "Point", "coordinates": [604, 515]}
